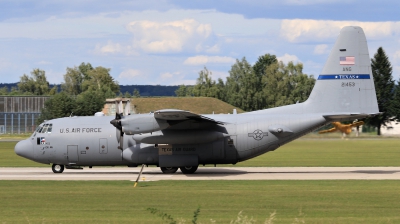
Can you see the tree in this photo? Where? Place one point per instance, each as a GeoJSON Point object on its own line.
{"type": "Point", "coordinates": [395, 107]}
{"type": "Point", "coordinates": [59, 105]}
{"type": "Point", "coordinates": [183, 91]}
{"type": "Point", "coordinates": [136, 93]}
{"type": "Point", "coordinates": [72, 81]}
{"type": "Point", "coordinates": [205, 85]}
{"type": "Point", "coordinates": [84, 69]}
{"type": "Point", "coordinates": [241, 87]}
{"type": "Point", "coordinates": [384, 86]}
{"type": "Point", "coordinates": [4, 91]}
{"type": "Point", "coordinates": [89, 102]}
{"type": "Point", "coordinates": [14, 91]}
{"type": "Point", "coordinates": [286, 84]}
{"type": "Point", "coordinates": [99, 78]}
{"type": "Point", "coordinates": [262, 64]}
{"type": "Point", "coordinates": [127, 95]}
{"type": "Point", "coordinates": [53, 90]}
{"type": "Point", "coordinates": [36, 84]}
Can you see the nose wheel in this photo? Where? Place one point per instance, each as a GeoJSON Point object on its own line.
{"type": "Point", "coordinates": [57, 168]}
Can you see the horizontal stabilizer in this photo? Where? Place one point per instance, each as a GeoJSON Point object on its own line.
{"type": "Point", "coordinates": [350, 116]}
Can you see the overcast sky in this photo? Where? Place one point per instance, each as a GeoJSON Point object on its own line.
{"type": "Point", "coordinates": [168, 42]}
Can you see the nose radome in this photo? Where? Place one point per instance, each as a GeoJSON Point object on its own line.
{"type": "Point", "coordinates": [24, 148]}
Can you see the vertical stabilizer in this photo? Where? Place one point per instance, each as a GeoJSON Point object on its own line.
{"type": "Point", "coordinates": [346, 84]}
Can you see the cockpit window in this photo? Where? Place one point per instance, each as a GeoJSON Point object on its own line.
{"type": "Point", "coordinates": [43, 128]}
{"type": "Point", "coordinates": [49, 128]}
{"type": "Point", "coordinates": [40, 128]}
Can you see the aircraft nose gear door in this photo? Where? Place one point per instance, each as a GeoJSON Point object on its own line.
{"type": "Point", "coordinates": [72, 153]}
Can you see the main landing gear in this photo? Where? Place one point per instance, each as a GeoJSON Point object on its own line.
{"type": "Point", "coordinates": [57, 168]}
{"type": "Point", "coordinates": [169, 169]}
{"type": "Point", "coordinates": [188, 169]}
{"type": "Point", "coordinates": [184, 169]}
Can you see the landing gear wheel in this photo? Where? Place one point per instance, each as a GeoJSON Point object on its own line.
{"type": "Point", "coordinates": [169, 169]}
{"type": "Point", "coordinates": [57, 168]}
{"type": "Point", "coordinates": [188, 169]}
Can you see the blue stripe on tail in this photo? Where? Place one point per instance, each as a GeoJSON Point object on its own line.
{"type": "Point", "coordinates": [353, 76]}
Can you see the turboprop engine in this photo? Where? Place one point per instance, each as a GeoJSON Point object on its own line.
{"type": "Point", "coordinates": [142, 123]}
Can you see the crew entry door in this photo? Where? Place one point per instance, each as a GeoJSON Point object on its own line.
{"type": "Point", "coordinates": [72, 151]}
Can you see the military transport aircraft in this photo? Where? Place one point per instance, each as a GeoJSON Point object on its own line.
{"type": "Point", "coordinates": [173, 139]}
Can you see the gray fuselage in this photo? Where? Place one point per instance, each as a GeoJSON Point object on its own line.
{"type": "Point", "coordinates": [91, 141]}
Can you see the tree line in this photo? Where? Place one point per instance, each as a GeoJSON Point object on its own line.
{"type": "Point", "coordinates": [271, 83]}
{"type": "Point", "coordinates": [83, 91]}
{"type": "Point", "coordinates": [268, 83]}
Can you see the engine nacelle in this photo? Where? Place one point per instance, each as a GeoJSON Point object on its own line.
{"type": "Point", "coordinates": [142, 123]}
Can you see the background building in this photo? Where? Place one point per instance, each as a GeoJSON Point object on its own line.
{"type": "Point", "coordinates": [18, 114]}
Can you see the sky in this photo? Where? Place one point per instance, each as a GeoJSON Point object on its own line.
{"type": "Point", "coordinates": [167, 42]}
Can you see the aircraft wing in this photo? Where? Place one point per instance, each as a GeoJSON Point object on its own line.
{"type": "Point", "coordinates": [327, 131]}
{"type": "Point", "coordinates": [182, 115]}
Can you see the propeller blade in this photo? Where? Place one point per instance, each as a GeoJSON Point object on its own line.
{"type": "Point", "coordinates": [116, 108]}
{"type": "Point", "coordinates": [120, 107]}
{"type": "Point", "coordinates": [121, 142]}
{"type": "Point", "coordinates": [118, 135]}
{"type": "Point", "coordinates": [127, 110]}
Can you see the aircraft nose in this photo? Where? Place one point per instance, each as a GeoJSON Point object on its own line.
{"type": "Point", "coordinates": [24, 148]}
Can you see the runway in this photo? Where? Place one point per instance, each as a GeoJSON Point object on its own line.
{"type": "Point", "coordinates": [207, 173]}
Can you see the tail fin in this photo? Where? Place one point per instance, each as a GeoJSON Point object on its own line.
{"type": "Point", "coordinates": [345, 86]}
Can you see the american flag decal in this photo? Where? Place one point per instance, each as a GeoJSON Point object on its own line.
{"type": "Point", "coordinates": [347, 60]}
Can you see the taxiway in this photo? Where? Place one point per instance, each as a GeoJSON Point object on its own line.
{"type": "Point", "coordinates": [207, 173]}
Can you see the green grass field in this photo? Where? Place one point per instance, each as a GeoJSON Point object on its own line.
{"type": "Point", "coordinates": [221, 201]}
{"type": "Point", "coordinates": [303, 152]}
{"type": "Point", "coordinates": [335, 201]}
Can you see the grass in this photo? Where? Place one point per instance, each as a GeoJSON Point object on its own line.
{"type": "Point", "coordinates": [332, 153]}
{"type": "Point", "coordinates": [119, 202]}
{"type": "Point", "coordinates": [8, 158]}
{"type": "Point", "coordinates": [199, 105]}
{"type": "Point", "coordinates": [309, 152]}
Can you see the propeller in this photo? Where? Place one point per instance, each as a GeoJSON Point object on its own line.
{"type": "Point", "coordinates": [127, 110]}
{"type": "Point", "coordinates": [117, 124]}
